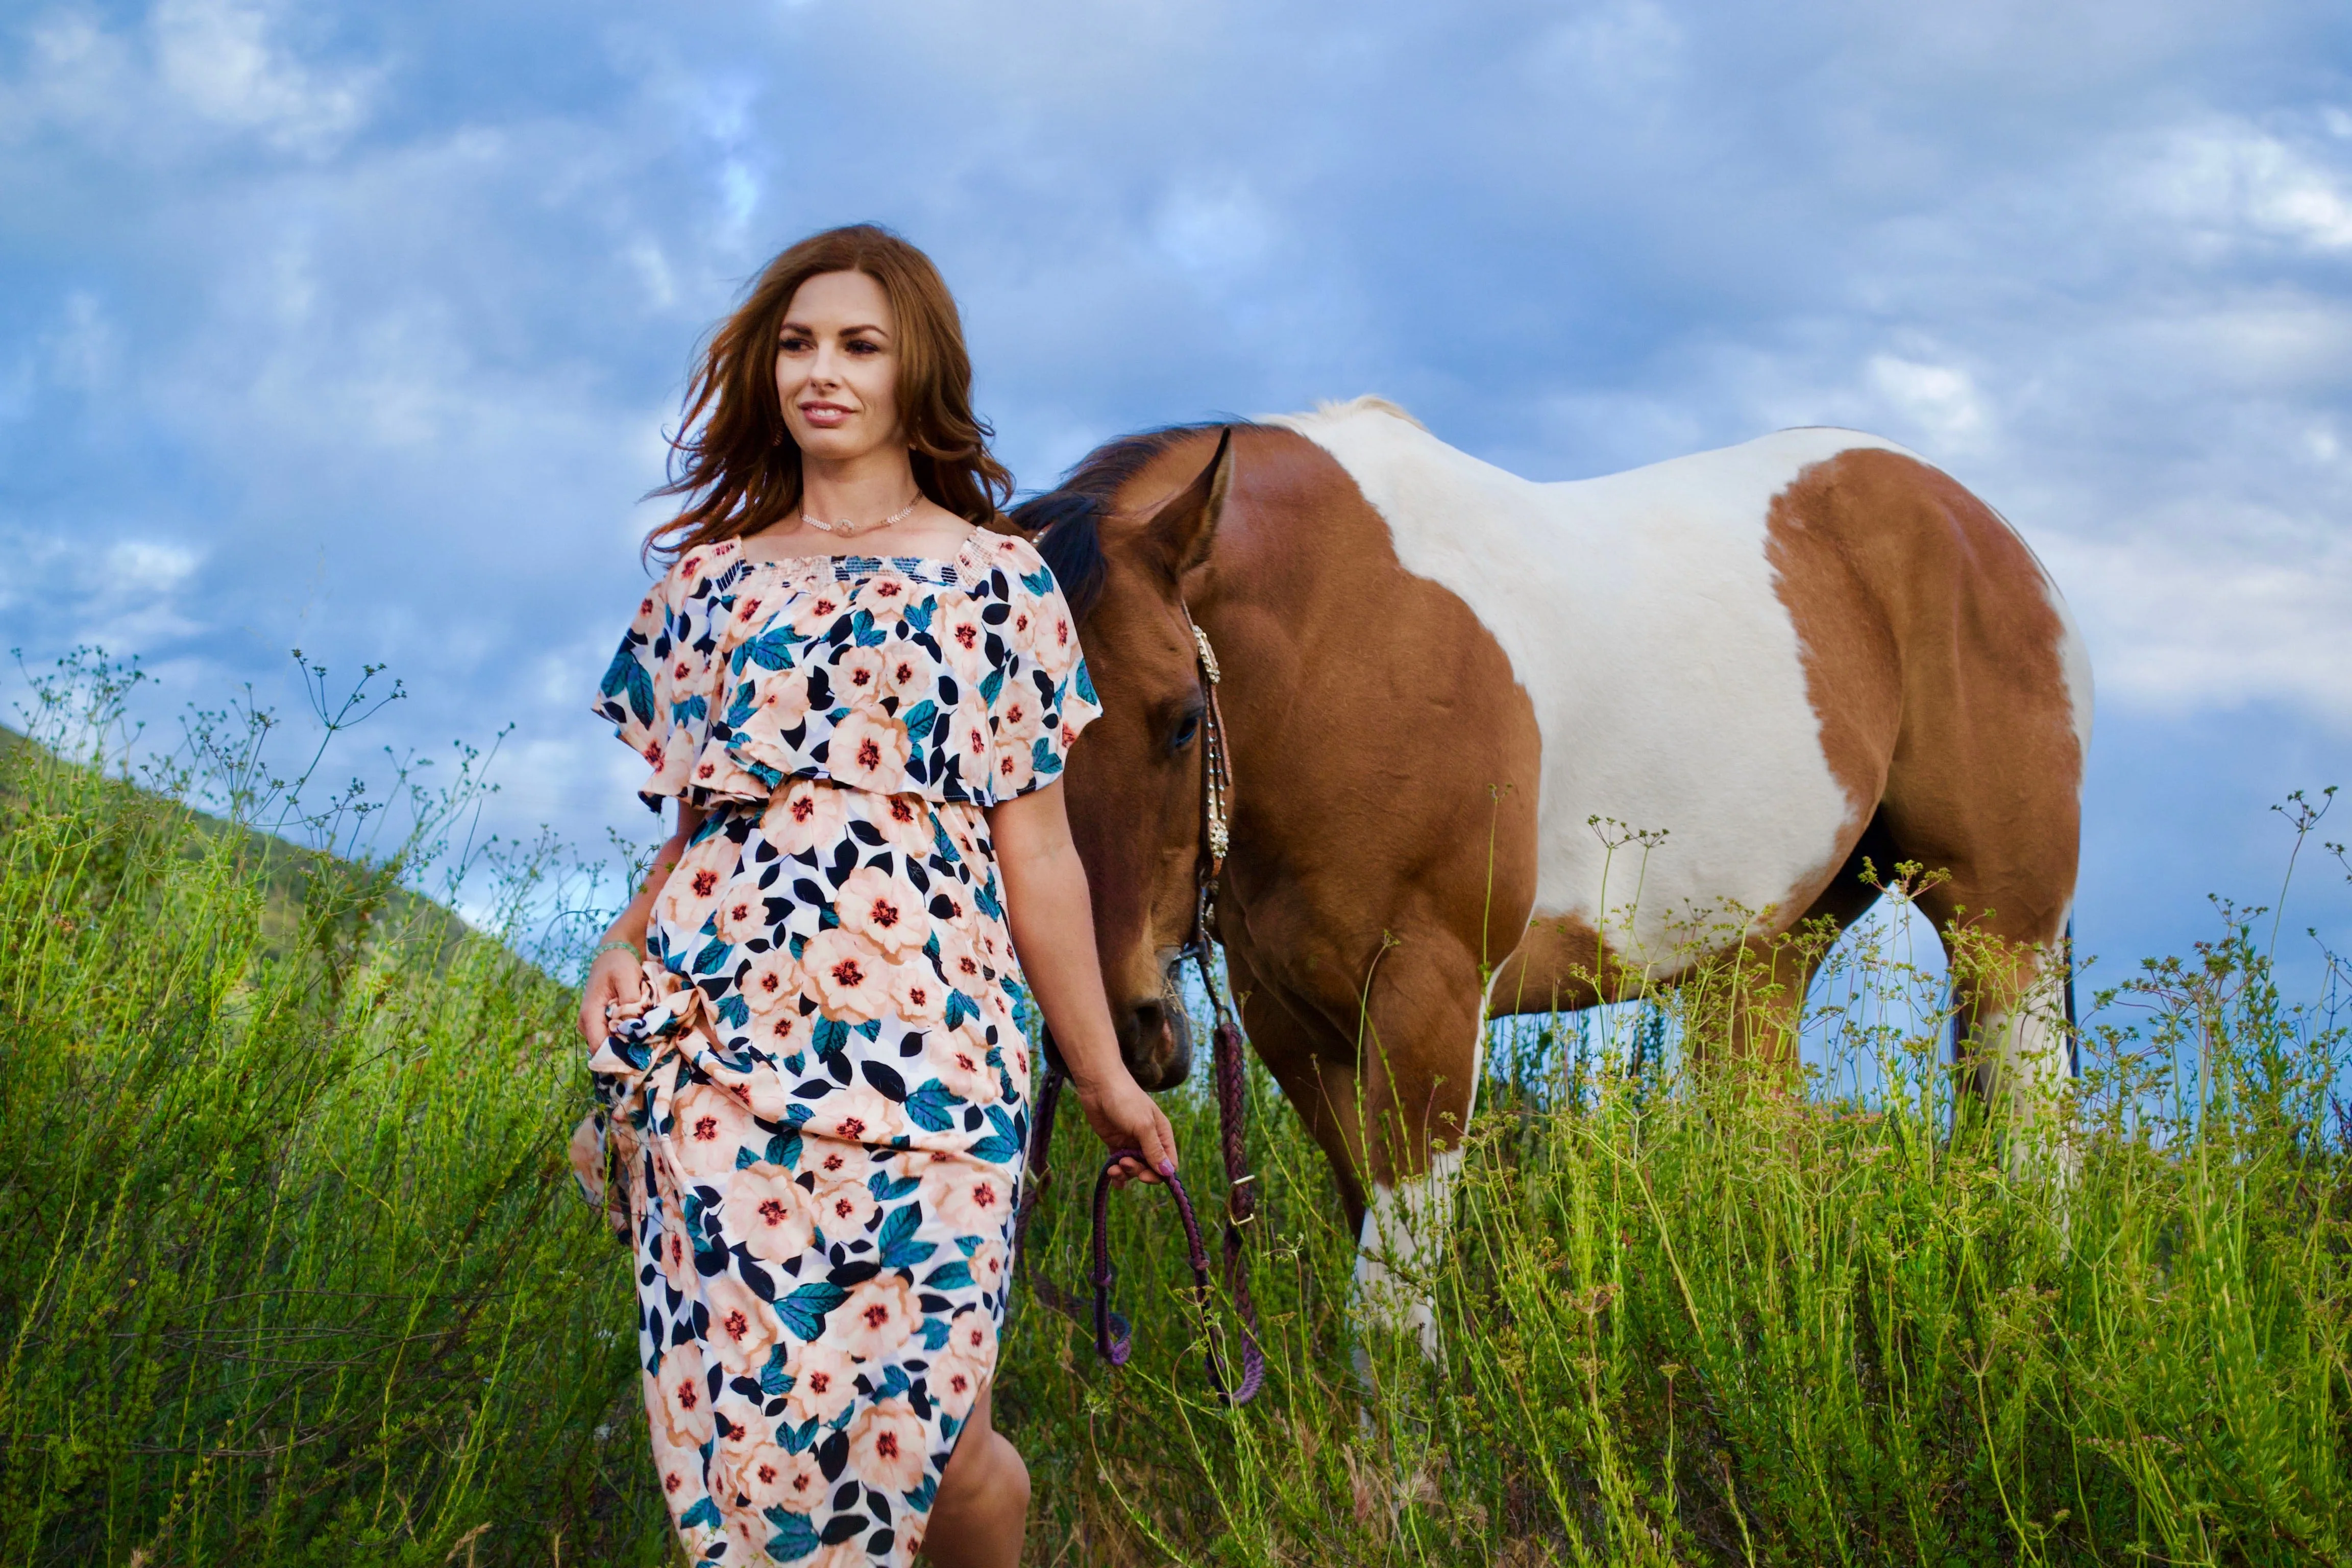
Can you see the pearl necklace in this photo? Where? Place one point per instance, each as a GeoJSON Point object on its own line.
{"type": "Point", "coordinates": [844, 527]}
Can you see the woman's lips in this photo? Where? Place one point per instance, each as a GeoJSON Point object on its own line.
{"type": "Point", "coordinates": [823, 415]}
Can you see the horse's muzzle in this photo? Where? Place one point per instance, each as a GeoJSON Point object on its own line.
{"type": "Point", "coordinates": [1155, 1035]}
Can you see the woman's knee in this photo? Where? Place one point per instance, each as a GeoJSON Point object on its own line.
{"type": "Point", "coordinates": [985, 1466]}
{"type": "Point", "coordinates": [1012, 1475]}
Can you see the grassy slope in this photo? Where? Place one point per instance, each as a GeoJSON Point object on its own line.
{"type": "Point", "coordinates": [293, 1275]}
{"type": "Point", "coordinates": [282, 872]}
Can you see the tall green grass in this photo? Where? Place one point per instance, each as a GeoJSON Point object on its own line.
{"type": "Point", "coordinates": [1689, 1318]}
{"type": "Point", "coordinates": [293, 1272]}
{"type": "Point", "coordinates": [290, 1271]}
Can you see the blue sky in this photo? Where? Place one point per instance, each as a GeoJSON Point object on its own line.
{"type": "Point", "coordinates": [355, 328]}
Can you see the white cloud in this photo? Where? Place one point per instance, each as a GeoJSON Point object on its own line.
{"type": "Point", "coordinates": [148, 566]}
{"type": "Point", "coordinates": [2211, 610]}
{"type": "Point", "coordinates": [151, 93]}
{"type": "Point", "coordinates": [218, 58]}
{"type": "Point", "coordinates": [1941, 399]}
{"type": "Point", "coordinates": [77, 74]}
{"type": "Point", "coordinates": [2231, 183]}
{"type": "Point", "coordinates": [2266, 342]}
{"type": "Point", "coordinates": [125, 596]}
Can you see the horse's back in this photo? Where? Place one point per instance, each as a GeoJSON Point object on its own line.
{"type": "Point", "coordinates": [1710, 646]}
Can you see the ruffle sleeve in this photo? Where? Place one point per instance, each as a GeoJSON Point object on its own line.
{"type": "Point", "coordinates": [662, 686]}
{"type": "Point", "coordinates": [1039, 694]}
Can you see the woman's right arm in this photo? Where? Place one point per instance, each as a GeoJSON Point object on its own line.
{"type": "Point", "coordinates": [615, 977]}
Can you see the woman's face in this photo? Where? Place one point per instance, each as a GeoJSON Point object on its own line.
{"type": "Point", "coordinates": [837, 367]}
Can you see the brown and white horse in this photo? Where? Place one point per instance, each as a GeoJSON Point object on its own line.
{"type": "Point", "coordinates": [1789, 655]}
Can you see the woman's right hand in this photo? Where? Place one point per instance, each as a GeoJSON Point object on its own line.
{"type": "Point", "coordinates": [615, 990]}
{"type": "Point", "coordinates": [1124, 1117]}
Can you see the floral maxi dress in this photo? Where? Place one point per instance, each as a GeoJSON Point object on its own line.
{"type": "Point", "coordinates": [814, 1129]}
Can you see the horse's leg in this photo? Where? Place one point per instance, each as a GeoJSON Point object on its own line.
{"type": "Point", "coordinates": [1394, 1187]}
{"type": "Point", "coordinates": [1983, 761]}
{"type": "Point", "coordinates": [2000, 911]}
{"type": "Point", "coordinates": [2009, 1038]}
{"type": "Point", "coordinates": [1305, 1056]}
{"type": "Point", "coordinates": [1422, 1035]}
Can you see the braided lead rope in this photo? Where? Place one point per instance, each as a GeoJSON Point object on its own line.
{"type": "Point", "coordinates": [1114, 1341]}
{"type": "Point", "coordinates": [1113, 1337]}
{"type": "Point", "coordinates": [1217, 799]}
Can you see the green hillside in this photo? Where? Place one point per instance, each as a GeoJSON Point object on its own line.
{"type": "Point", "coordinates": [288, 877]}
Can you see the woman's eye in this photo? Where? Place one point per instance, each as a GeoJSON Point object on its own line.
{"type": "Point", "coordinates": [1186, 728]}
{"type": "Point", "coordinates": [862, 347]}
{"type": "Point", "coordinates": [793, 345]}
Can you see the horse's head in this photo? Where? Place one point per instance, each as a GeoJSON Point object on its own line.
{"type": "Point", "coordinates": [1127, 535]}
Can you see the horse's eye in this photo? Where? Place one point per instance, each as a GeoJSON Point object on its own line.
{"type": "Point", "coordinates": [1186, 728]}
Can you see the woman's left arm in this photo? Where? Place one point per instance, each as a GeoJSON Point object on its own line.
{"type": "Point", "coordinates": [1046, 904]}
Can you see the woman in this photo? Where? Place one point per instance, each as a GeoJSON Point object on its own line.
{"type": "Point", "coordinates": [816, 1092]}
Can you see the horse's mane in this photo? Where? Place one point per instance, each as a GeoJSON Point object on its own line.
{"type": "Point", "coordinates": [1066, 522]}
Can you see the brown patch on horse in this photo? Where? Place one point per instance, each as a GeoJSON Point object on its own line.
{"type": "Point", "coordinates": [1933, 663]}
{"type": "Point", "coordinates": [1933, 659]}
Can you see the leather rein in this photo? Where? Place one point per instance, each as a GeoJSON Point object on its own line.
{"type": "Point", "coordinates": [1114, 1341]}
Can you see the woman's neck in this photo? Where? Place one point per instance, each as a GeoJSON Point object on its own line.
{"type": "Point", "coordinates": [864, 489]}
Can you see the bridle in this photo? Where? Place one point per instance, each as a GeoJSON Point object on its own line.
{"type": "Point", "coordinates": [1113, 1340]}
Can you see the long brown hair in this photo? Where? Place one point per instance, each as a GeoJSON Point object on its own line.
{"type": "Point", "coordinates": [733, 458]}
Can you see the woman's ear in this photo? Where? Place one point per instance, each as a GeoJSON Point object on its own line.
{"type": "Point", "coordinates": [1183, 530]}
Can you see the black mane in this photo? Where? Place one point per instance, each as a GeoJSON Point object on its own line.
{"type": "Point", "coordinates": [1066, 522]}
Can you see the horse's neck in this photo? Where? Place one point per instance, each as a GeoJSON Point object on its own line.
{"type": "Point", "coordinates": [1310, 617]}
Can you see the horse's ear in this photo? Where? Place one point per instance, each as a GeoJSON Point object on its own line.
{"type": "Point", "coordinates": [1183, 530]}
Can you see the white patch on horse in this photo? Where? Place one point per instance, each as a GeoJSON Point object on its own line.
{"type": "Point", "coordinates": [2074, 660]}
{"type": "Point", "coordinates": [1404, 1230]}
{"type": "Point", "coordinates": [1638, 612]}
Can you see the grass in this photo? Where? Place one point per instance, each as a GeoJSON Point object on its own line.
{"type": "Point", "coordinates": [294, 1273]}
{"type": "Point", "coordinates": [291, 1271]}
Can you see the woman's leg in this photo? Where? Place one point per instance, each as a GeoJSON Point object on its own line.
{"type": "Point", "coordinates": [982, 1508]}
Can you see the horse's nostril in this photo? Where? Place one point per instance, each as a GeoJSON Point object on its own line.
{"type": "Point", "coordinates": [1155, 1043]}
{"type": "Point", "coordinates": [1139, 1035]}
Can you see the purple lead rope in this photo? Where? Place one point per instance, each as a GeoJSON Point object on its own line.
{"type": "Point", "coordinates": [1114, 1341]}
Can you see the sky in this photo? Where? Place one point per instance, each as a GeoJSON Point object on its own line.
{"type": "Point", "coordinates": [357, 329]}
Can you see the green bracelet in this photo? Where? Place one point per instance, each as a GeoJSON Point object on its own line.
{"type": "Point", "coordinates": [628, 947]}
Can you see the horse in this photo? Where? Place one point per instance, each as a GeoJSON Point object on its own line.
{"type": "Point", "coordinates": [1782, 664]}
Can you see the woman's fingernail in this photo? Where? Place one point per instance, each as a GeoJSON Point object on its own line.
{"type": "Point", "coordinates": [1167, 1167]}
